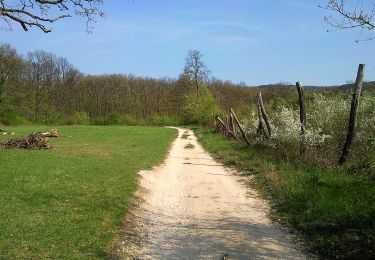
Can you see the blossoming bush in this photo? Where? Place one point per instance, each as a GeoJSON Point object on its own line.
{"type": "Point", "coordinates": [366, 122]}
{"type": "Point", "coordinates": [325, 133]}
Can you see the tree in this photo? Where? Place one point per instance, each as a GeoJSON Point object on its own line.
{"type": "Point", "coordinates": [39, 13]}
{"type": "Point", "coordinates": [11, 65]}
{"type": "Point", "coordinates": [43, 72]}
{"type": "Point", "coordinates": [358, 14]}
{"type": "Point", "coordinates": [200, 111]}
{"type": "Point", "coordinates": [195, 69]}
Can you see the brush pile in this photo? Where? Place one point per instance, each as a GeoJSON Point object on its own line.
{"type": "Point", "coordinates": [34, 141]}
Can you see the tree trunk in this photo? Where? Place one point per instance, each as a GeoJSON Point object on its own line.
{"type": "Point", "coordinates": [353, 114]}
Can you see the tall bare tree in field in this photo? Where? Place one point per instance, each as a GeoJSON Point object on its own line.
{"type": "Point", "coordinates": [356, 14]}
{"type": "Point", "coordinates": [195, 69]}
{"type": "Point", "coordinates": [41, 13]}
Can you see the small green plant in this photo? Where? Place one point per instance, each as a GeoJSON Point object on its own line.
{"type": "Point", "coordinates": [189, 146]}
{"type": "Point", "coordinates": [82, 118]}
{"type": "Point", "coordinates": [185, 136]}
{"type": "Point", "coordinates": [114, 118]}
{"type": "Point", "coordinates": [163, 120]}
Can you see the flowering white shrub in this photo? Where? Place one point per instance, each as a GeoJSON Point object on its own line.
{"type": "Point", "coordinates": [327, 119]}
{"type": "Point", "coordinates": [329, 113]}
{"type": "Point", "coordinates": [285, 126]}
{"type": "Point", "coordinates": [250, 124]}
{"type": "Point", "coordinates": [366, 121]}
{"type": "Point", "coordinates": [286, 129]}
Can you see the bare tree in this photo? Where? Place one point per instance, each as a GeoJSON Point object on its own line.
{"type": "Point", "coordinates": [357, 14]}
{"type": "Point", "coordinates": [42, 73]}
{"type": "Point", "coordinates": [39, 13]}
{"type": "Point", "coordinates": [195, 69]}
{"type": "Point", "coordinates": [11, 65]}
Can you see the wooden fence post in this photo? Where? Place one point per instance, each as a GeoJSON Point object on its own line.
{"type": "Point", "coordinates": [262, 128]}
{"type": "Point", "coordinates": [231, 123]}
{"type": "Point", "coordinates": [264, 114]}
{"type": "Point", "coordinates": [227, 129]}
{"type": "Point", "coordinates": [353, 114]}
{"type": "Point", "coordinates": [240, 127]}
{"type": "Point", "coordinates": [302, 116]}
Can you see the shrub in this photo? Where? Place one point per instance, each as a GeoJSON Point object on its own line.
{"type": "Point", "coordinates": [79, 118]}
{"type": "Point", "coordinates": [53, 119]}
{"type": "Point", "coordinates": [82, 118]}
{"type": "Point", "coordinates": [97, 121]}
{"type": "Point", "coordinates": [11, 117]}
{"type": "Point", "coordinates": [164, 120]}
{"type": "Point", "coordinates": [200, 110]}
{"type": "Point", "coordinates": [327, 120]}
{"type": "Point", "coordinates": [114, 118]}
{"type": "Point", "coordinates": [129, 120]}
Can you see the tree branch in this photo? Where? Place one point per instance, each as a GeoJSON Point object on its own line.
{"type": "Point", "coordinates": [356, 17]}
{"type": "Point", "coordinates": [35, 13]}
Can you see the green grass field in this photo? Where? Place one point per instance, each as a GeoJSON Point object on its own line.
{"type": "Point", "coordinates": [334, 209]}
{"type": "Point", "coordinates": [69, 202]}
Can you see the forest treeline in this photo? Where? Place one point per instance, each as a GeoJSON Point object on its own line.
{"type": "Point", "coordinates": [42, 88]}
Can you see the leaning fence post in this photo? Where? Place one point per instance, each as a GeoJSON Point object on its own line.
{"type": "Point", "coordinates": [240, 127]}
{"type": "Point", "coordinates": [231, 123]}
{"type": "Point", "coordinates": [302, 116]}
{"type": "Point", "coordinates": [353, 114]}
{"type": "Point", "coordinates": [264, 114]}
{"type": "Point", "coordinates": [262, 128]}
{"type": "Point", "coordinates": [227, 129]}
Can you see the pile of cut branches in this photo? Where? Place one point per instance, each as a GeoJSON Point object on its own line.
{"type": "Point", "coordinates": [34, 141]}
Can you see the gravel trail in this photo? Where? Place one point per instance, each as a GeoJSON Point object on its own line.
{"type": "Point", "coordinates": [191, 207]}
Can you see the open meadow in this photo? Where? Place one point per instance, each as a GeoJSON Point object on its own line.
{"type": "Point", "coordinates": [69, 201]}
{"type": "Point", "coordinates": [188, 129]}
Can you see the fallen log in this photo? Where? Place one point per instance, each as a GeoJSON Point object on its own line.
{"type": "Point", "coordinates": [52, 133]}
{"type": "Point", "coordinates": [8, 133]}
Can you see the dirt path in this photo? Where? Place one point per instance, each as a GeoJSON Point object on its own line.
{"type": "Point", "coordinates": [191, 207]}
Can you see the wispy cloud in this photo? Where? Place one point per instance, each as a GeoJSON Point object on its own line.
{"type": "Point", "coordinates": [235, 40]}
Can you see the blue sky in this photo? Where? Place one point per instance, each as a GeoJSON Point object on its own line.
{"type": "Point", "coordinates": [255, 41]}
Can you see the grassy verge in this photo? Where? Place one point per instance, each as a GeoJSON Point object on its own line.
{"type": "Point", "coordinates": [68, 202]}
{"type": "Point", "coordinates": [332, 209]}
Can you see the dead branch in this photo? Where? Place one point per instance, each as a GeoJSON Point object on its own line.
{"type": "Point", "coordinates": [34, 141]}
{"type": "Point", "coordinates": [37, 13]}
